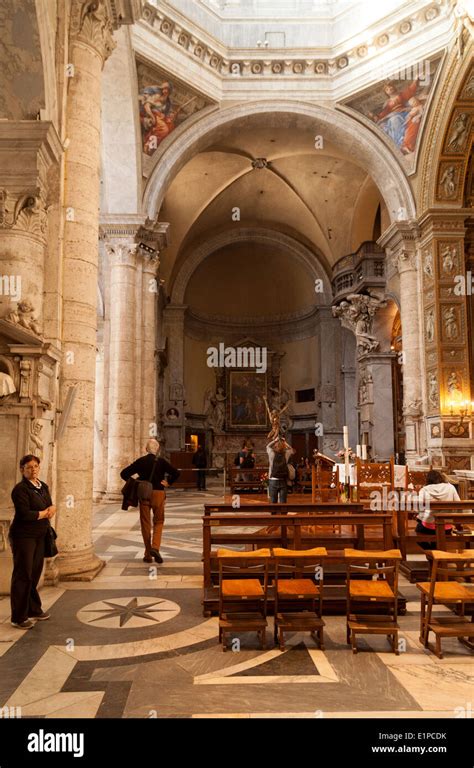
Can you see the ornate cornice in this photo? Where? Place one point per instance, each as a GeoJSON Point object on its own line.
{"type": "Point", "coordinates": [141, 236]}
{"type": "Point", "coordinates": [300, 63]}
{"type": "Point", "coordinates": [286, 327]}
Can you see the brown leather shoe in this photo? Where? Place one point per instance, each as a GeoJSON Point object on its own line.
{"type": "Point", "coordinates": [147, 559]}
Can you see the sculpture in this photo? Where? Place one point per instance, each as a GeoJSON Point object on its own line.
{"type": "Point", "coordinates": [459, 131]}
{"type": "Point", "coordinates": [452, 383]}
{"type": "Point", "coordinates": [23, 316]}
{"type": "Point", "coordinates": [450, 323]}
{"type": "Point", "coordinates": [214, 408]}
{"type": "Point", "coordinates": [36, 444]}
{"type": "Point", "coordinates": [447, 181]}
{"type": "Point", "coordinates": [275, 419]}
{"type": "Point", "coordinates": [7, 385]}
{"type": "Point", "coordinates": [448, 254]}
{"type": "Point", "coordinates": [358, 312]}
{"type": "Point", "coordinates": [430, 326]}
{"type": "Point", "coordinates": [433, 389]}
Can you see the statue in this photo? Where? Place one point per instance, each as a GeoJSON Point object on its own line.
{"type": "Point", "coordinates": [275, 416]}
{"type": "Point", "coordinates": [7, 385]}
{"type": "Point", "coordinates": [448, 255]}
{"type": "Point", "coordinates": [452, 383]}
{"type": "Point", "coordinates": [23, 316]}
{"type": "Point", "coordinates": [214, 408]}
{"type": "Point", "coordinates": [358, 312]}
{"type": "Point", "coordinates": [448, 182]}
{"type": "Point", "coordinates": [459, 132]}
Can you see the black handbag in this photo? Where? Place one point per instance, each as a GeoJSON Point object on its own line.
{"type": "Point", "coordinates": [50, 548]}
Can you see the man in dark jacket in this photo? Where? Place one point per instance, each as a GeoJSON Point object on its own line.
{"type": "Point", "coordinates": [160, 474]}
{"type": "Point", "coordinates": [200, 463]}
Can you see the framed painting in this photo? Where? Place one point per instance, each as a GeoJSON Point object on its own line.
{"type": "Point", "coordinates": [246, 405]}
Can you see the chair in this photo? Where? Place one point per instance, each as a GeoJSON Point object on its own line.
{"type": "Point", "coordinates": [416, 479]}
{"type": "Point", "coordinates": [299, 582]}
{"type": "Point", "coordinates": [373, 477]}
{"type": "Point", "coordinates": [240, 585]}
{"type": "Point", "coordinates": [327, 485]}
{"type": "Point", "coordinates": [382, 588]}
{"type": "Point", "coordinates": [447, 586]}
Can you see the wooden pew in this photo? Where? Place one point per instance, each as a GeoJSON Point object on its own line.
{"type": "Point", "coordinates": [252, 482]}
{"type": "Point", "coordinates": [286, 531]}
{"type": "Point", "coordinates": [408, 541]}
{"type": "Point", "coordinates": [326, 508]}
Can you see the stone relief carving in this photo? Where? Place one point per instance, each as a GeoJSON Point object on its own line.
{"type": "Point", "coordinates": [468, 91]}
{"type": "Point", "coordinates": [25, 373]}
{"type": "Point", "coordinates": [428, 264]}
{"type": "Point", "coordinates": [433, 389]}
{"type": "Point", "coordinates": [449, 258]}
{"type": "Point", "coordinates": [365, 388]}
{"type": "Point", "coordinates": [90, 22]}
{"type": "Point", "coordinates": [430, 326]}
{"type": "Point", "coordinates": [451, 323]}
{"type": "Point", "coordinates": [35, 441]}
{"type": "Point", "coordinates": [357, 312]}
{"type": "Point", "coordinates": [448, 182]}
{"type": "Point", "coordinates": [459, 132]}
{"type": "Point", "coordinates": [23, 315]}
{"type": "Point", "coordinates": [453, 384]}
{"type": "Point", "coordinates": [413, 408]}
{"type": "Point", "coordinates": [26, 212]}
{"type": "Point", "coordinates": [7, 385]}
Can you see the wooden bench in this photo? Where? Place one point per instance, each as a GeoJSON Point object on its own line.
{"type": "Point", "coordinates": [247, 479]}
{"type": "Point", "coordinates": [288, 531]}
{"type": "Point", "coordinates": [408, 540]}
{"type": "Point", "coordinates": [307, 508]}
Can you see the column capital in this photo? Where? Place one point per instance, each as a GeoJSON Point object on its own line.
{"type": "Point", "coordinates": [93, 22]}
{"type": "Point", "coordinates": [142, 236]}
{"type": "Point", "coordinates": [400, 242]}
{"type": "Point", "coordinates": [435, 223]}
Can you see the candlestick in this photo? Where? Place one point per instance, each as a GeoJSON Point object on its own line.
{"type": "Point", "coordinates": [364, 452]}
{"type": "Point", "coordinates": [345, 435]}
{"type": "Point", "coordinates": [358, 453]}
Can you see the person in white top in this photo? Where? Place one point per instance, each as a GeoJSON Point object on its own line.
{"type": "Point", "coordinates": [436, 489]}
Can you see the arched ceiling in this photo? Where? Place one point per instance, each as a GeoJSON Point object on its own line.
{"type": "Point", "coordinates": [310, 191]}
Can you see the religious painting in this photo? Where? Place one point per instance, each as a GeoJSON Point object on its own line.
{"type": "Point", "coordinates": [398, 103]}
{"type": "Point", "coordinates": [247, 406]}
{"type": "Point", "coordinates": [164, 103]}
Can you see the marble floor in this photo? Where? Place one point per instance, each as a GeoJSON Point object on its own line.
{"type": "Point", "coordinates": [133, 643]}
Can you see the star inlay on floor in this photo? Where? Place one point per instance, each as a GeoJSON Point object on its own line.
{"type": "Point", "coordinates": [129, 612]}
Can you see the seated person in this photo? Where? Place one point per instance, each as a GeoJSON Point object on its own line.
{"type": "Point", "coordinates": [436, 489]}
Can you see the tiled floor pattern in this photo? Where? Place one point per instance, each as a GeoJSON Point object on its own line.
{"type": "Point", "coordinates": [134, 643]}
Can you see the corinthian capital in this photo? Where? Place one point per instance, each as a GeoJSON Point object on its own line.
{"type": "Point", "coordinates": [91, 24]}
{"type": "Point", "coordinates": [400, 243]}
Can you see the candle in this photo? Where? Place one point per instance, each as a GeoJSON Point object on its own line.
{"type": "Point", "coordinates": [358, 454]}
{"type": "Point", "coordinates": [364, 452]}
{"type": "Point", "coordinates": [345, 434]}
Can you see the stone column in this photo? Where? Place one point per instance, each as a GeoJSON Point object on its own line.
{"type": "Point", "coordinates": [331, 393]}
{"type": "Point", "coordinates": [91, 42]}
{"type": "Point", "coordinates": [132, 246]}
{"type": "Point", "coordinates": [153, 238]}
{"type": "Point", "coordinates": [400, 242]}
{"type": "Point", "coordinates": [376, 403]}
{"type": "Point", "coordinates": [173, 317]}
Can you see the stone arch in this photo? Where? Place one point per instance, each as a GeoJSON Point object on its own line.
{"type": "Point", "coordinates": [257, 235]}
{"type": "Point", "coordinates": [448, 101]}
{"type": "Point", "coordinates": [347, 133]}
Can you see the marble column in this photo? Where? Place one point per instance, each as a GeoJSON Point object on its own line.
{"type": "Point", "coordinates": [400, 241]}
{"type": "Point", "coordinates": [91, 42]}
{"type": "Point", "coordinates": [376, 403]}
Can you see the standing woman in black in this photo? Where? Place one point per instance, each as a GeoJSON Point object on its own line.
{"type": "Point", "coordinates": [33, 510]}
